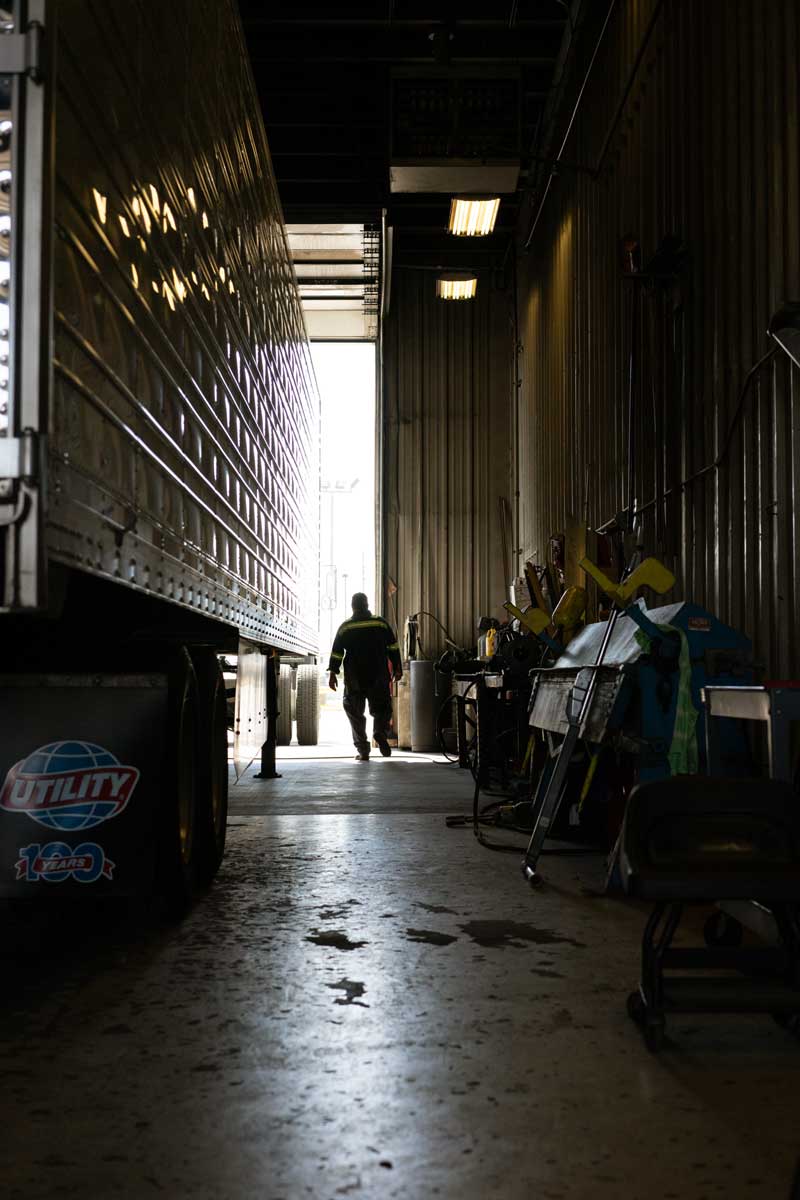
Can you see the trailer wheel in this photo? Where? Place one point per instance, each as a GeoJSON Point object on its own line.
{"type": "Point", "coordinates": [212, 766]}
{"type": "Point", "coordinates": [307, 706]}
{"type": "Point", "coordinates": [283, 726]}
{"type": "Point", "coordinates": [177, 819]}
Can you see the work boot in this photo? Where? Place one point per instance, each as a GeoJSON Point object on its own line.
{"type": "Point", "coordinates": [363, 755]}
{"type": "Point", "coordinates": [384, 747]}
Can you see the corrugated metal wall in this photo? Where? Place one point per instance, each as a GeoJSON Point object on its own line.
{"type": "Point", "coordinates": [707, 150]}
{"type": "Point", "coordinates": [446, 452]}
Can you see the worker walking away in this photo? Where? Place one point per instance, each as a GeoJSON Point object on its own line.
{"type": "Point", "coordinates": [367, 645]}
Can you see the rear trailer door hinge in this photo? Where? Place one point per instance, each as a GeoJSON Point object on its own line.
{"type": "Point", "coordinates": [21, 53]}
{"type": "Point", "coordinates": [19, 455]}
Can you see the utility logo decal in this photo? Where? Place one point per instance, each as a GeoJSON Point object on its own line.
{"type": "Point", "coordinates": [56, 862]}
{"type": "Point", "coordinates": [69, 786]}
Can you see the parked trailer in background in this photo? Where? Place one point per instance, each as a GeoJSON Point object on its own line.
{"type": "Point", "coordinates": [159, 475]}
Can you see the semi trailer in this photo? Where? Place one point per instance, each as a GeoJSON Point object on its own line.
{"type": "Point", "coordinates": [159, 427]}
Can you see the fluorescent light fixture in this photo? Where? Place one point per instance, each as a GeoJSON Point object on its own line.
{"type": "Point", "coordinates": [457, 285]}
{"type": "Point", "coordinates": [473, 216]}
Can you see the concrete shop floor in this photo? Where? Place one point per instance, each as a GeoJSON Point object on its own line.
{"type": "Point", "coordinates": [369, 1004]}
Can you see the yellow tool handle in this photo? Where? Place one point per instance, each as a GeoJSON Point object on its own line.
{"type": "Point", "coordinates": [534, 619]}
{"type": "Point", "coordinates": [570, 608]}
{"type": "Point", "coordinates": [603, 582]}
{"type": "Point", "coordinates": [650, 573]}
{"type": "Point", "coordinates": [535, 586]}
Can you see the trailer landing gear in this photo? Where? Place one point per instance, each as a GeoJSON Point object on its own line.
{"type": "Point", "coordinates": [212, 765]}
{"type": "Point", "coordinates": [176, 818]}
{"type": "Point", "coordinates": [273, 704]}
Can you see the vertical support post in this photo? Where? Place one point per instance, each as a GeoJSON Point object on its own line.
{"type": "Point", "coordinates": [632, 413]}
{"type": "Point", "coordinates": [779, 729]}
{"type": "Point", "coordinates": [714, 764]}
{"type": "Point", "coordinates": [27, 342]}
{"type": "Point", "coordinates": [484, 717]}
{"type": "Point", "coordinates": [461, 730]}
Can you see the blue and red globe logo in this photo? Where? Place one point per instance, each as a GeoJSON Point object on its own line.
{"type": "Point", "coordinates": [69, 786]}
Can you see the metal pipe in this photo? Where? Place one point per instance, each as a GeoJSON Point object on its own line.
{"type": "Point", "coordinates": [565, 139]}
{"type": "Point", "coordinates": [723, 454]}
{"type": "Point", "coordinates": [631, 451]}
{"type": "Point", "coordinates": [386, 273]}
{"type": "Point", "coordinates": [517, 397]}
{"type": "Point", "coordinates": [615, 120]}
{"type": "Point", "coordinates": [634, 71]}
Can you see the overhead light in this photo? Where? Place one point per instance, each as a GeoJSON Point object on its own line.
{"type": "Point", "coordinates": [785, 328]}
{"type": "Point", "coordinates": [457, 285]}
{"type": "Point", "coordinates": [473, 216]}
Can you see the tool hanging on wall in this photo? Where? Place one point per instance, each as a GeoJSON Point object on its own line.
{"type": "Point", "coordinates": [649, 573]}
{"type": "Point", "coordinates": [537, 622]}
{"type": "Point", "coordinates": [568, 612]}
{"type": "Point", "coordinates": [535, 588]}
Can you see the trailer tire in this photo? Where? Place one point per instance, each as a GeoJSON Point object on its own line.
{"type": "Point", "coordinates": [176, 844]}
{"type": "Point", "coordinates": [283, 725]}
{"type": "Point", "coordinates": [307, 706]}
{"type": "Point", "coordinates": [212, 767]}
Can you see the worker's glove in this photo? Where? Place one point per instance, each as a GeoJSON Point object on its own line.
{"type": "Point", "coordinates": [333, 681]}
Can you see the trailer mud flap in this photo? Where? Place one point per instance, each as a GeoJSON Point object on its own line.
{"type": "Point", "coordinates": [80, 770]}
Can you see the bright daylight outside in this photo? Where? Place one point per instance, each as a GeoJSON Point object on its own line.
{"type": "Point", "coordinates": [346, 377]}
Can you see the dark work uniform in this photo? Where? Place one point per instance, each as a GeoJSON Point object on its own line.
{"type": "Point", "coordinates": [366, 644]}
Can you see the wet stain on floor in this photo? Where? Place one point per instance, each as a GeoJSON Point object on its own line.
{"type": "Point", "coordinates": [514, 933]}
{"type": "Point", "coordinates": [435, 908]}
{"type": "Point", "coordinates": [430, 937]}
{"type": "Point", "coordinates": [352, 989]}
{"type": "Point", "coordinates": [327, 913]}
{"type": "Point", "coordinates": [334, 938]}
{"type": "Point", "coordinates": [222, 1039]}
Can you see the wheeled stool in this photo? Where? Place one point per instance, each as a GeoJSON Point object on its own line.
{"type": "Point", "coordinates": [693, 839]}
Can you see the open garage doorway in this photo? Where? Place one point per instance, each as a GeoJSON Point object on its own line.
{"type": "Point", "coordinates": [339, 277]}
{"type": "Point", "coordinates": [347, 384]}
{"type": "Point", "coordinates": [346, 376]}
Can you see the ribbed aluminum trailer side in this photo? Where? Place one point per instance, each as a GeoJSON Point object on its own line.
{"type": "Point", "coordinates": [159, 477]}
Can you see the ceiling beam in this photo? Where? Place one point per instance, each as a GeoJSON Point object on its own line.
{"type": "Point", "coordinates": [508, 46]}
{"type": "Point", "coordinates": [255, 21]}
{"type": "Point", "coordinates": [323, 122]}
{"type": "Point", "coordinates": [311, 151]}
